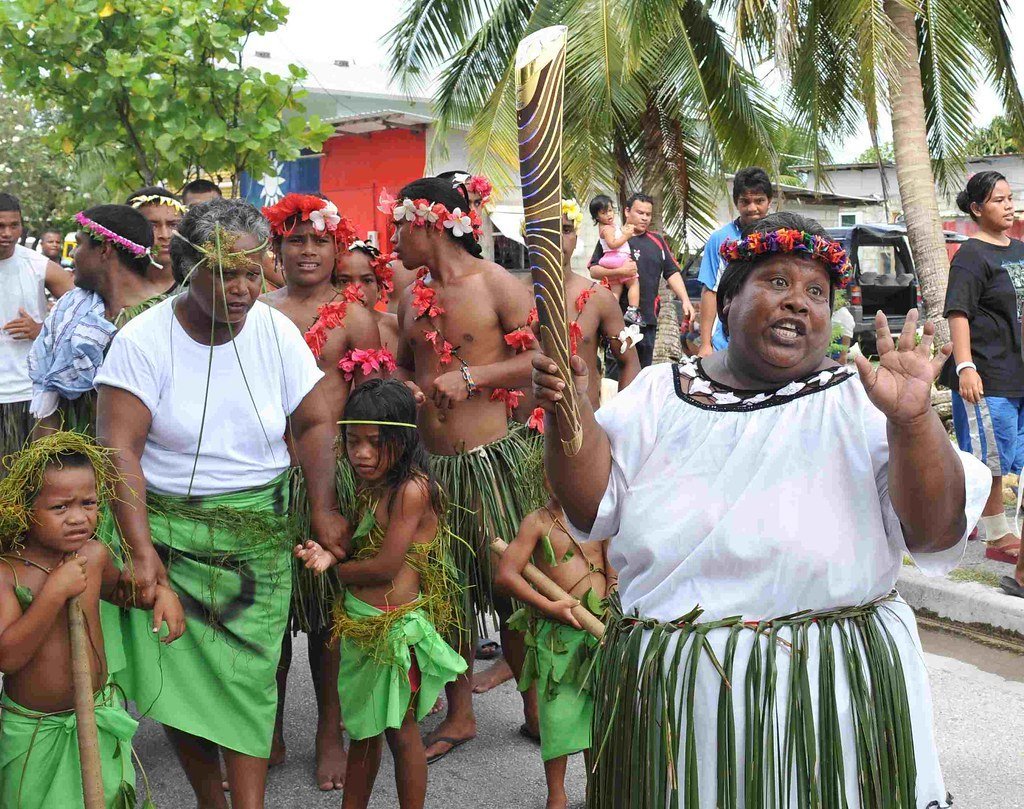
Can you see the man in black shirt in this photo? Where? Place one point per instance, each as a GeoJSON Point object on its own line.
{"type": "Point", "coordinates": [653, 261]}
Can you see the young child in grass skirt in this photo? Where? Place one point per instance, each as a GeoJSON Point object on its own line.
{"type": "Point", "coordinates": [560, 655]}
{"type": "Point", "coordinates": [399, 596]}
{"type": "Point", "coordinates": [49, 505]}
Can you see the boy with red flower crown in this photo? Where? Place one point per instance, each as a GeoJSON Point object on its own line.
{"type": "Point", "coordinates": [308, 234]}
{"type": "Point", "coordinates": [453, 351]}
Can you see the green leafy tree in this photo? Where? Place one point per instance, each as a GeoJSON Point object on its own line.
{"type": "Point", "coordinates": [654, 96]}
{"type": "Point", "coordinates": [999, 137]}
{"type": "Point", "coordinates": [157, 87]}
{"type": "Point", "coordinates": [874, 154]}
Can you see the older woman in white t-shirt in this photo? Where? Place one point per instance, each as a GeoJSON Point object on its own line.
{"type": "Point", "coordinates": [196, 395]}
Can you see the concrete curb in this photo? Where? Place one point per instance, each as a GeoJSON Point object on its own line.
{"type": "Point", "coordinates": [970, 603]}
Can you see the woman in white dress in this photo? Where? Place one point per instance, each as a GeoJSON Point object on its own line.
{"type": "Point", "coordinates": [755, 499]}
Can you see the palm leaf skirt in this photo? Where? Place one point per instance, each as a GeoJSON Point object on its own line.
{"type": "Point", "coordinates": [313, 596]}
{"type": "Point", "coordinates": [490, 490]}
{"type": "Point", "coordinates": [788, 748]}
{"type": "Point", "coordinates": [15, 427]}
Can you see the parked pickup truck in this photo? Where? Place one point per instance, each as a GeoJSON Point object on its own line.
{"type": "Point", "coordinates": [884, 279]}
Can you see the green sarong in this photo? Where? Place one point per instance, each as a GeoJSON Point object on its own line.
{"type": "Point", "coordinates": [373, 684]}
{"type": "Point", "coordinates": [229, 560]}
{"type": "Point", "coordinates": [560, 661]}
{"type": "Point", "coordinates": [490, 490]}
{"type": "Point", "coordinates": [39, 765]}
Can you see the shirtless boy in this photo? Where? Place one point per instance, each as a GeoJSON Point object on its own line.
{"type": "Point", "coordinates": [457, 328]}
{"type": "Point", "coordinates": [53, 493]}
{"type": "Point", "coordinates": [308, 234]}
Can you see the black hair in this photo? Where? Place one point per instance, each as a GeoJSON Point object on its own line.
{"type": "Point", "coordinates": [201, 186]}
{"type": "Point", "coordinates": [151, 191]}
{"type": "Point", "coordinates": [638, 197]}
{"type": "Point", "coordinates": [69, 459]}
{"type": "Point", "coordinates": [199, 224]}
{"type": "Point", "coordinates": [602, 202]}
{"type": "Point", "coordinates": [391, 400]}
{"type": "Point", "coordinates": [9, 202]}
{"type": "Point", "coordinates": [979, 189]}
{"type": "Point", "coordinates": [752, 178]}
{"type": "Point", "coordinates": [124, 221]}
{"type": "Point", "coordinates": [46, 230]}
{"type": "Point", "coordinates": [736, 273]}
{"type": "Point", "coordinates": [439, 189]}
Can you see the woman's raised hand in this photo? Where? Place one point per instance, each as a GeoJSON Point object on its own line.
{"type": "Point", "coordinates": [901, 385]}
{"type": "Point", "coordinates": [548, 386]}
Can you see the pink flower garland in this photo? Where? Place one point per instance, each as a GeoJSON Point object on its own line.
{"type": "Point", "coordinates": [97, 230]}
{"type": "Point", "coordinates": [366, 361]}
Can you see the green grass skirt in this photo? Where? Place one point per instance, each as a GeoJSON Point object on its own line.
{"type": "Point", "coordinates": [15, 428]}
{"type": "Point", "coordinates": [229, 560]}
{"type": "Point", "coordinates": [792, 756]}
{"type": "Point", "coordinates": [39, 762]}
{"type": "Point", "coordinates": [490, 490]}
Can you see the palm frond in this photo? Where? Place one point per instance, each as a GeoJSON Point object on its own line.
{"type": "Point", "coordinates": [994, 43]}
{"type": "Point", "coordinates": [949, 79]}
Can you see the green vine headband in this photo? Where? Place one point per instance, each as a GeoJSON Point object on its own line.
{"type": "Point", "coordinates": [220, 251]}
{"type": "Point", "coordinates": [787, 240]}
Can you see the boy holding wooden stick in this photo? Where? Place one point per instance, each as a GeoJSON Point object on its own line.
{"type": "Point", "coordinates": [560, 654]}
{"type": "Point", "coordinates": [49, 504]}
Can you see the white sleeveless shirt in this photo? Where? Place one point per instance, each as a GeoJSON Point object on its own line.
{"type": "Point", "coordinates": [22, 286]}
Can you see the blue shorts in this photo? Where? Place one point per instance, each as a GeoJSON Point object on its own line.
{"type": "Point", "coordinates": [997, 420]}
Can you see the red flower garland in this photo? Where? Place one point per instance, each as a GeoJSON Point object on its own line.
{"type": "Point", "coordinates": [366, 361]}
{"type": "Point", "coordinates": [511, 398]}
{"type": "Point", "coordinates": [536, 420]}
{"type": "Point", "coordinates": [298, 207]}
{"type": "Point", "coordinates": [575, 335]}
{"type": "Point", "coordinates": [328, 316]}
{"type": "Point", "coordinates": [354, 294]}
{"type": "Point", "coordinates": [521, 339]}
{"type": "Point", "coordinates": [442, 347]}
{"type": "Point", "coordinates": [423, 299]}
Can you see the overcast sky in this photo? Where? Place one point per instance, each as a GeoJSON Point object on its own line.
{"type": "Point", "coordinates": [322, 31]}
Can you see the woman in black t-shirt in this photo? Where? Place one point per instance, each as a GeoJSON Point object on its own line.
{"type": "Point", "coordinates": [986, 371]}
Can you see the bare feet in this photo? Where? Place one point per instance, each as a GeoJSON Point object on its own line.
{"type": "Point", "coordinates": [557, 802]}
{"type": "Point", "coordinates": [331, 759]}
{"type": "Point", "coordinates": [447, 736]}
{"type": "Point", "coordinates": [497, 674]}
{"type": "Point", "coordinates": [437, 707]}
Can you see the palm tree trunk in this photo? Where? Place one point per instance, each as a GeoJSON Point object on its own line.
{"type": "Point", "coordinates": [914, 170]}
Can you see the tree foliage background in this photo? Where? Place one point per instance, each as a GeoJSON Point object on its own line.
{"type": "Point", "coordinates": [156, 90]}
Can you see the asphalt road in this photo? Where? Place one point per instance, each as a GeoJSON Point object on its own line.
{"type": "Point", "coordinates": [979, 717]}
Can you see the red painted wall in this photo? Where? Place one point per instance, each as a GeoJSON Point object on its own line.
{"type": "Point", "coordinates": [355, 168]}
{"type": "Point", "coordinates": [967, 227]}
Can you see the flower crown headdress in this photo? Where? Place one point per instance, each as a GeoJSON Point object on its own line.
{"type": "Point", "coordinates": [157, 199]}
{"type": "Point", "coordinates": [571, 210]}
{"type": "Point", "coordinates": [421, 213]}
{"type": "Point", "coordinates": [321, 213]}
{"type": "Point", "coordinates": [787, 240]}
{"type": "Point", "coordinates": [478, 184]}
{"type": "Point", "coordinates": [105, 234]}
{"type": "Point", "coordinates": [381, 263]}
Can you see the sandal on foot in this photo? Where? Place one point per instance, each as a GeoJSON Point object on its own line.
{"type": "Point", "coordinates": [446, 740]}
{"type": "Point", "coordinates": [999, 555]}
{"type": "Point", "coordinates": [1011, 587]}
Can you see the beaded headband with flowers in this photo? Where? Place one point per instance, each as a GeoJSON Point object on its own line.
{"type": "Point", "coordinates": [571, 210]}
{"type": "Point", "coordinates": [157, 199]}
{"type": "Point", "coordinates": [104, 234]}
{"type": "Point", "coordinates": [321, 213]}
{"type": "Point", "coordinates": [787, 240]}
{"type": "Point", "coordinates": [381, 263]}
{"type": "Point", "coordinates": [421, 213]}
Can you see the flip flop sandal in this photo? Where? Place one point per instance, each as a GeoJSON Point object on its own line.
{"type": "Point", "coordinates": [1010, 586]}
{"type": "Point", "coordinates": [447, 740]}
{"type": "Point", "coordinates": [999, 555]}
{"type": "Point", "coordinates": [488, 650]}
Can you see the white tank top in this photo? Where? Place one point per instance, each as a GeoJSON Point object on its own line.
{"type": "Point", "coordinates": [22, 286]}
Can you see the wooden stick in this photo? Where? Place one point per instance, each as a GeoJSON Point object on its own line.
{"type": "Point", "coordinates": [85, 711]}
{"type": "Point", "coordinates": [547, 588]}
